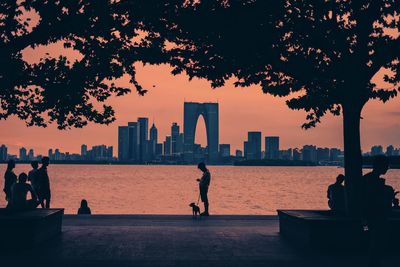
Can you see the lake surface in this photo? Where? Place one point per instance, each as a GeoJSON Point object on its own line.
{"type": "Point", "coordinates": [135, 189]}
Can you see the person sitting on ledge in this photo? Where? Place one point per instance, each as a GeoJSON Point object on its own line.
{"type": "Point", "coordinates": [84, 209]}
{"type": "Point", "coordinates": [19, 193]}
{"type": "Point", "coordinates": [378, 198]}
{"type": "Point", "coordinates": [336, 195]}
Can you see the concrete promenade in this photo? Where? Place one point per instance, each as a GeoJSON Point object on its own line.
{"type": "Point", "coordinates": [175, 240]}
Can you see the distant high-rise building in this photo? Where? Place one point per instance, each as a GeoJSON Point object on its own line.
{"type": "Point", "coordinates": [174, 138]}
{"type": "Point", "coordinates": [225, 151]}
{"type": "Point", "coordinates": [296, 154]}
{"type": "Point", "coordinates": [253, 146]}
{"type": "Point", "coordinates": [143, 124]}
{"type": "Point", "coordinates": [50, 154]}
{"type": "Point", "coordinates": [245, 144]}
{"type": "Point", "coordinates": [272, 147]}
{"type": "Point", "coordinates": [376, 150]}
{"type": "Point", "coordinates": [159, 151]}
{"type": "Point", "coordinates": [110, 153]}
{"type": "Point", "coordinates": [334, 154]}
{"type": "Point", "coordinates": [123, 143]}
{"type": "Point", "coordinates": [57, 154]}
{"type": "Point", "coordinates": [322, 154]}
{"type": "Point", "coordinates": [390, 151]}
{"type": "Point", "coordinates": [22, 153]}
{"type": "Point", "coordinates": [239, 153]}
{"type": "Point", "coordinates": [286, 154]}
{"type": "Point", "coordinates": [179, 144]}
{"type": "Point", "coordinates": [154, 133]}
{"type": "Point", "coordinates": [31, 154]}
{"type": "Point", "coordinates": [210, 112]}
{"type": "Point", "coordinates": [3, 153]}
{"type": "Point", "coordinates": [84, 150]}
{"type": "Point", "coordinates": [153, 141]}
{"type": "Point", "coordinates": [309, 153]}
{"type": "Point", "coordinates": [167, 146]}
{"type": "Point", "coordinates": [133, 151]}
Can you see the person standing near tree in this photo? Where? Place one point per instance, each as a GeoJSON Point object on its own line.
{"type": "Point", "coordinates": [204, 183]}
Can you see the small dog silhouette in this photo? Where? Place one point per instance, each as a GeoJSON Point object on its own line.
{"type": "Point", "coordinates": [195, 209]}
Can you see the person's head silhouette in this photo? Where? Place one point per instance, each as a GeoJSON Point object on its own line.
{"type": "Point", "coordinates": [380, 164]}
{"type": "Point", "coordinates": [22, 178]}
{"type": "Point", "coordinates": [45, 161]}
{"type": "Point", "coordinates": [340, 179]}
{"type": "Point", "coordinates": [84, 203]}
{"type": "Point", "coordinates": [10, 164]}
{"type": "Point", "coordinates": [202, 166]}
{"type": "Point", "coordinates": [35, 164]}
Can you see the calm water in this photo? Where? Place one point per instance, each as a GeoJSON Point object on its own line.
{"type": "Point", "coordinates": [169, 189]}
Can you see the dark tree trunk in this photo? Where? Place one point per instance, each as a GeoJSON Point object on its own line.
{"type": "Point", "coordinates": [352, 158]}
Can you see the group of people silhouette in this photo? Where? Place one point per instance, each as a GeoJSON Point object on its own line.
{"type": "Point", "coordinates": [17, 189]}
{"type": "Point", "coordinates": [378, 198]}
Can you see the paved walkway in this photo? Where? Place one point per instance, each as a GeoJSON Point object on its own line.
{"type": "Point", "coordinates": [168, 240]}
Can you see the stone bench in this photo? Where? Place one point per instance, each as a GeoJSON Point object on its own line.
{"type": "Point", "coordinates": [28, 228]}
{"type": "Point", "coordinates": [322, 229]}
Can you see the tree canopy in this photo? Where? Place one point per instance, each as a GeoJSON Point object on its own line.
{"type": "Point", "coordinates": [323, 54]}
{"type": "Point", "coordinates": [108, 40]}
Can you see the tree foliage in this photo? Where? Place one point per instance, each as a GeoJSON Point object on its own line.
{"type": "Point", "coordinates": [69, 92]}
{"type": "Point", "coordinates": [322, 54]}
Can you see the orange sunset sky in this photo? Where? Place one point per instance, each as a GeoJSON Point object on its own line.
{"type": "Point", "coordinates": [241, 110]}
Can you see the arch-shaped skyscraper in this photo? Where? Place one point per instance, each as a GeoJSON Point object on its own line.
{"type": "Point", "coordinates": [209, 111]}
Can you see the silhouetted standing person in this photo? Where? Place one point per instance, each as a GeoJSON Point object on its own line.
{"type": "Point", "coordinates": [84, 208]}
{"type": "Point", "coordinates": [204, 183]}
{"type": "Point", "coordinates": [336, 195]}
{"type": "Point", "coordinates": [377, 207]}
{"type": "Point", "coordinates": [19, 193]}
{"type": "Point", "coordinates": [9, 179]}
{"type": "Point", "coordinates": [43, 182]}
{"type": "Point", "coordinates": [32, 175]}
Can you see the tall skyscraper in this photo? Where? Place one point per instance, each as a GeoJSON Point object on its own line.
{"type": "Point", "coordinates": [210, 112]}
{"type": "Point", "coordinates": [133, 149]}
{"type": "Point", "coordinates": [272, 147]}
{"type": "Point", "coordinates": [167, 146]}
{"type": "Point", "coordinates": [22, 153]}
{"type": "Point", "coordinates": [143, 124]}
{"type": "Point", "coordinates": [50, 154]}
{"type": "Point", "coordinates": [84, 150]}
{"type": "Point", "coordinates": [153, 141]}
{"type": "Point", "coordinates": [253, 146]}
{"type": "Point", "coordinates": [31, 154]}
{"type": "Point", "coordinates": [3, 153]}
{"type": "Point", "coordinates": [123, 143]}
{"type": "Point", "coordinates": [174, 138]}
{"type": "Point", "coordinates": [179, 144]}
